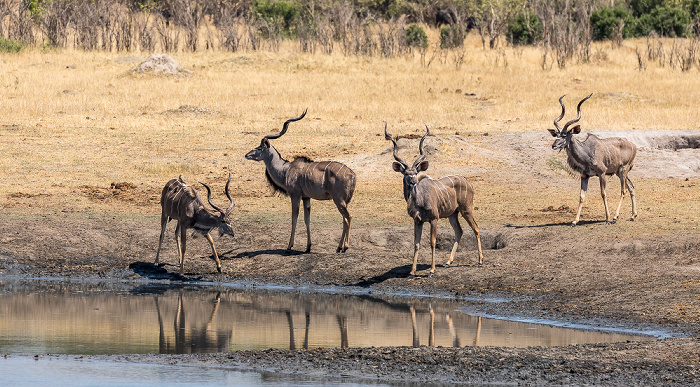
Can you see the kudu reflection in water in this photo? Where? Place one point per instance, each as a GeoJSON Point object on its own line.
{"type": "Point", "coordinates": [342, 326]}
{"type": "Point", "coordinates": [198, 339]}
{"type": "Point", "coordinates": [456, 341]}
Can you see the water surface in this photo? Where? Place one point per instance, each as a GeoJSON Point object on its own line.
{"type": "Point", "coordinates": [59, 317]}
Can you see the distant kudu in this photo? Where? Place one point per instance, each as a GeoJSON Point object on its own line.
{"type": "Point", "coordinates": [181, 202]}
{"type": "Point", "coordinates": [429, 200]}
{"type": "Point", "coordinates": [303, 180]}
{"type": "Point", "coordinates": [595, 157]}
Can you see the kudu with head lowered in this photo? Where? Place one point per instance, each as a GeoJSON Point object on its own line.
{"type": "Point", "coordinates": [429, 200]}
{"type": "Point", "coordinates": [595, 157]}
{"type": "Point", "coordinates": [181, 202]}
{"type": "Point", "coordinates": [303, 180]}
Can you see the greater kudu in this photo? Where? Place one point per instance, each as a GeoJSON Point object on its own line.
{"type": "Point", "coordinates": [181, 202]}
{"type": "Point", "coordinates": [596, 157]}
{"type": "Point", "coordinates": [429, 200]}
{"type": "Point", "coordinates": [303, 180]}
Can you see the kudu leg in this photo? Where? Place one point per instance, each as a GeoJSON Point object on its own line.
{"type": "Point", "coordinates": [630, 188]}
{"type": "Point", "coordinates": [347, 218]}
{"type": "Point", "coordinates": [418, 232]}
{"type": "Point", "coordinates": [295, 216]}
{"type": "Point", "coordinates": [163, 224]}
{"type": "Point", "coordinates": [454, 221]}
{"type": "Point", "coordinates": [433, 239]}
{"type": "Point", "coordinates": [307, 220]}
{"type": "Point", "coordinates": [584, 188]}
{"type": "Point", "coordinates": [469, 217]}
{"type": "Point", "coordinates": [213, 249]}
{"type": "Point", "coordinates": [182, 246]}
{"type": "Point", "coordinates": [622, 196]}
{"type": "Point", "coordinates": [605, 198]}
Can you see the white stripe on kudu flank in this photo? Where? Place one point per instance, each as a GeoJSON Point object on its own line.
{"type": "Point", "coordinates": [323, 180]}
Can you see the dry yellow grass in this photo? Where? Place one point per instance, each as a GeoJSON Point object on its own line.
{"type": "Point", "coordinates": [74, 118]}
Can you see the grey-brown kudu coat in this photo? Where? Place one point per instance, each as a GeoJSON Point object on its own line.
{"type": "Point", "coordinates": [596, 157]}
{"type": "Point", "coordinates": [303, 180]}
{"type": "Point", "coordinates": [429, 200]}
{"type": "Point", "coordinates": [181, 202]}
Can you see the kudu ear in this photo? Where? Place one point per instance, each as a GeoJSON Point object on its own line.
{"type": "Point", "coordinates": [266, 143]}
{"type": "Point", "coordinates": [397, 167]}
{"type": "Point", "coordinates": [576, 129]}
{"type": "Point", "coordinates": [553, 132]}
{"type": "Point", "coordinates": [423, 166]}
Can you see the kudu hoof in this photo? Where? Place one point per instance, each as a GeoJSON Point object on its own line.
{"type": "Point", "coordinates": [631, 220]}
{"type": "Point", "coordinates": [573, 224]}
{"type": "Point", "coordinates": [607, 222]}
{"type": "Point", "coordinates": [446, 265]}
{"type": "Point", "coordinates": [431, 275]}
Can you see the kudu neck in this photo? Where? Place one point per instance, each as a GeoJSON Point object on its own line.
{"type": "Point", "coordinates": [276, 166]}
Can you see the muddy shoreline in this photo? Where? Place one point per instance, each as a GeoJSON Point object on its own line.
{"type": "Point", "coordinates": [570, 289]}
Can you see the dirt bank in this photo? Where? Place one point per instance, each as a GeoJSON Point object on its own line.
{"type": "Point", "coordinates": [631, 284]}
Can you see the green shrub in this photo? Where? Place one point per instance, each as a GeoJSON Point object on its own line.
{"type": "Point", "coordinates": [416, 37]}
{"type": "Point", "coordinates": [452, 37]}
{"type": "Point", "coordinates": [671, 21]}
{"type": "Point", "coordinates": [9, 45]}
{"type": "Point", "coordinates": [606, 21]}
{"type": "Point", "coordinates": [643, 7]}
{"type": "Point", "coordinates": [520, 34]}
{"type": "Point", "coordinates": [666, 21]}
{"type": "Point", "coordinates": [284, 12]}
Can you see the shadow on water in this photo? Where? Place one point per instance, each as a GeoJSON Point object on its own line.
{"type": "Point", "coordinates": [158, 272]}
{"type": "Point", "coordinates": [397, 272]}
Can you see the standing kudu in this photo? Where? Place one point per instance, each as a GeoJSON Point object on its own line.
{"type": "Point", "coordinates": [181, 202]}
{"type": "Point", "coordinates": [429, 200]}
{"type": "Point", "coordinates": [596, 157]}
{"type": "Point", "coordinates": [303, 180]}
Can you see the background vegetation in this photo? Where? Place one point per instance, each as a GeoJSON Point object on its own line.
{"type": "Point", "coordinates": [565, 29]}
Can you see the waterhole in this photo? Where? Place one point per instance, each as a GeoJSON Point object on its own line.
{"type": "Point", "coordinates": [59, 317]}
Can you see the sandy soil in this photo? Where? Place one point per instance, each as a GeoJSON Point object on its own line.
{"type": "Point", "coordinates": [643, 274]}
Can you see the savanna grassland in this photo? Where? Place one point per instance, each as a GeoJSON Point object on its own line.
{"type": "Point", "coordinates": [78, 118]}
{"type": "Point", "coordinates": [86, 146]}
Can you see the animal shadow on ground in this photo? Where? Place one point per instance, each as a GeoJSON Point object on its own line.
{"type": "Point", "coordinates": [283, 252]}
{"type": "Point", "coordinates": [568, 224]}
{"type": "Point", "coordinates": [397, 272]}
{"type": "Point", "coordinates": [153, 271]}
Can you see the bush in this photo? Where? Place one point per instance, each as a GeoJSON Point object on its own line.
{"type": "Point", "coordinates": [416, 37]}
{"type": "Point", "coordinates": [520, 34]}
{"type": "Point", "coordinates": [643, 7]}
{"type": "Point", "coordinates": [606, 21]}
{"type": "Point", "coordinates": [10, 46]}
{"type": "Point", "coordinates": [452, 37]}
{"type": "Point", "coordinates": [670, 21]}
{"type": "Point", "coordinates": [284, 12]}
{"type": "Point", "coordinates": [666, 21]}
